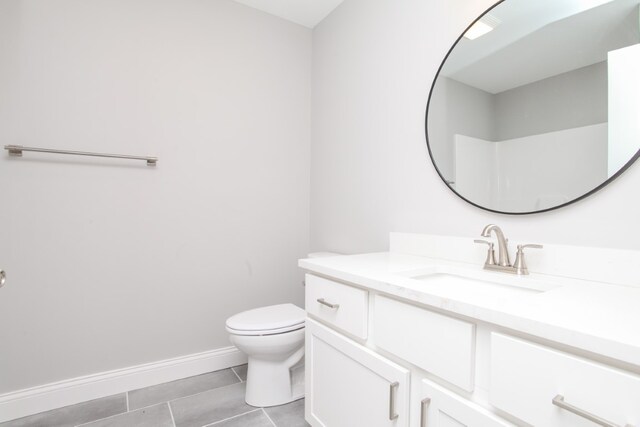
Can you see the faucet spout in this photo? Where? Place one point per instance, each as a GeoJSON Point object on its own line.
{"type": "Point", "coordinates": [503, 250]}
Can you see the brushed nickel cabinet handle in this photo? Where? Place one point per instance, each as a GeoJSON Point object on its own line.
{"type": "Point", "coordinates": [393, 387]}
{"type": "Point", "coordinates": [559, 402]}
{"type": "Point", "coordinates": [328, 304]}
{"type": "Point", "coordinates": [423, 411]}
{"type": "Point", "coordinates": [3, 278]}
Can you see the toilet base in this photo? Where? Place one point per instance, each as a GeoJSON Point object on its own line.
{"type": "Point", "coordinates": [272, 384]}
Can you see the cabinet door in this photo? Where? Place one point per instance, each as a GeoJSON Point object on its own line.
{"type": "Point", "coordinates": [443, 408]}
{"type": "Point", "coordinates": [348, 385]}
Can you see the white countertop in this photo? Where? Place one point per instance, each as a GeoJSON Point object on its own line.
{"type": "Point", "coordinates": [597, 317]}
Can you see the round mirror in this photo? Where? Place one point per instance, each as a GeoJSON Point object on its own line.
{"type": "Point", "coordinates": [537, 104]}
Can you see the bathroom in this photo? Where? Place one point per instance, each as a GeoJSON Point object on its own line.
{"type": "Point", "coordinates": [280, 130]}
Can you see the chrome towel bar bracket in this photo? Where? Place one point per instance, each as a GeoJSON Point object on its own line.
{"type": "Point", "coordinates": [16, 150]}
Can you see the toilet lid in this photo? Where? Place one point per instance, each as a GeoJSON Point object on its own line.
{"type": "Point", "coordinates": [274, 318]}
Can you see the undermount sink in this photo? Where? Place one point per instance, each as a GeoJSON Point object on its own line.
{"type": "Point", "coordinates": [467, 283]}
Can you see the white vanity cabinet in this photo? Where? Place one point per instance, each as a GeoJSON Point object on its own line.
{"type": "Point", "coordinates": [351, 386]}
{"type": "Point", "coordinates": [375, 359]}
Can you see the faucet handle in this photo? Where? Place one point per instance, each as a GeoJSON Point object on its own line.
{"type": "Point", "coordinates": [491, 254]}
{"type": "Point", "coordinates": [529, 245]}
{"type": "Point", "coordinates": [519, 264]}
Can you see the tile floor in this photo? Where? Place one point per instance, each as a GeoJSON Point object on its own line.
{"type": "Point", "coordinates": [215, 399]}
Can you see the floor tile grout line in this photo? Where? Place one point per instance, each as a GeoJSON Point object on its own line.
{"type": "Point", "coordinates": [155, 404]}
{"type": "Point", "coordinates": [230, 418]}
{"type": "Point", "coordinates": [128, 407]}
{"type": "Point", "coordinates": [173, 420]}
{"type": "Point", "coordinates": [268, 417]}
{"type": "Point", "coordinates": [159, 403]}
{"type": "Point", "coordinates": [187, 396]}
{"type": "Point", "coordinates": [192, 395]}
{"type": "Point", "coordinates": [234, 371]}
{"type": "Point", "coordinates": [181, 397]}
{"type": "Point", "coordinates": [135, 410]}
{"type": "Point", "coordinates": [101, 419]}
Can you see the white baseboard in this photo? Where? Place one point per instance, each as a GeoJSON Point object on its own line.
{"type": "Point", "coordinates": [33, 400]}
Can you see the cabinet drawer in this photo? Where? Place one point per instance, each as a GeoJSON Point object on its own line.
{"type": "Point", "coordinates": [436, 343]}
{"type": "Point", "coordinates": [525, 378]}
{"type": "Point", "coordinates": [441, 408]}
{"type": "Point", "coordinates": [350, 305]}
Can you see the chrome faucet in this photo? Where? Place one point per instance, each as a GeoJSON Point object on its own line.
{"type": "Point", "coordinates": [504, 264]}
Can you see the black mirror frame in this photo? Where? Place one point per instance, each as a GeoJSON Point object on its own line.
{"type": "Point", "coordinates": [426, 131]}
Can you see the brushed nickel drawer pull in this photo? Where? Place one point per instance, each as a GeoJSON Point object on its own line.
{"type": "Point", "coordinates": [393, 387]}
{"type": "Point", "coordinates": [559, 402]}
{"type": "Point", "coordinates": [3, 278]}
{"type": "Point", "coordinates": [423, 411]}
{"type": "Point", "coordinates": [328, 304]}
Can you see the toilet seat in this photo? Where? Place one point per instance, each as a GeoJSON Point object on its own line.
{"type": "Point", "coordinates": [271, 320]}
{"type": "Point", "coordinates": [266, 332]}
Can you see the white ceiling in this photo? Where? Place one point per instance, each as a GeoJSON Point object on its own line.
{"type": "Point", "coordinates": [304, 12]}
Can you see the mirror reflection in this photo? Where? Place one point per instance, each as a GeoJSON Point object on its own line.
{"type": "Point", "coordinates": [538, 104]}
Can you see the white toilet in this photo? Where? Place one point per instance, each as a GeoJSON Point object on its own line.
{"type": "Point", "coordinates": [273, 338]}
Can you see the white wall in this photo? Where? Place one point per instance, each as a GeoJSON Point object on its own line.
{"type": "Point", "coordinates": [624, 105]}
{"type": "Point", "coordinates": [569, 100]}
{"type": "Point", "coordinates": [533, 172]}
{"type": "Point", "coordinates": [477, 170]}
{"type": "Point", "coordinates": [540, 171]}
{"type": "Point", "coordinates": [111, 263]}
{"type": "Point", "coordinates": [457, 108]}
{"type": "Point", "coordinates": [373, 64]}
